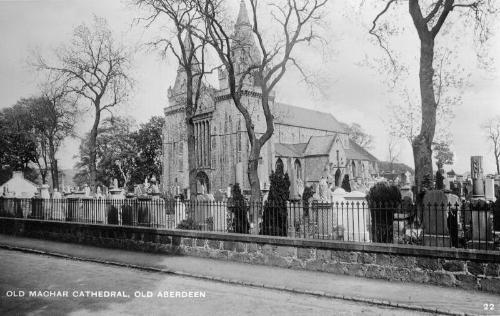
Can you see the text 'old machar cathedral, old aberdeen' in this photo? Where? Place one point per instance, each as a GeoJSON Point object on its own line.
{"type": "Point", "coordinates": [311, 145]}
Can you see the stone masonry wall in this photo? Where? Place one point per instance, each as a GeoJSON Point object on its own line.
{"type": "Point", "coordinates": [474, 270]}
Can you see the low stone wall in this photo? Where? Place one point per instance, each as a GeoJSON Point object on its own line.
{"type": "Point", "coordinates": [468, 269]}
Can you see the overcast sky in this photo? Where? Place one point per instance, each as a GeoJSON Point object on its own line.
{"type": "Point", "coordinates": [350, 90]}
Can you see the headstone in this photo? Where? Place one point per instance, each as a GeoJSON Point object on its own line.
{"type": "Point", "coordinates": [86, 189]}
{"type": "Point", "coordinates": [477, 176]}
{"type": "Point", "coordinates": [56, 195]}
{"type": "Point", "coordinates": [300, 187]}
{"type": "Point", "coordinates": [99, 193]}
{"type": "Point", "coordinates": [323, 190]}
{"type": "Point", "coordinates": [439, 219]}
{"type": "Point", "coordinates": [356, 217]}
{"type": "Point", "coordinates": [406, 192]}
{"type": "Point", "coordinates": [446, 183]}
{"type": "Point", "coordinates": [489, 189]}
{"type": "Point", "coordinates": [480, 215]}
{"type": "Point", "coordinates": [44, 192]}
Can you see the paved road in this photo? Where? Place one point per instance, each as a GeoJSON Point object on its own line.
{"type": "Point", "coordinates": [414, 294]}
{"type": "Point", "coordinates": [31, 272]}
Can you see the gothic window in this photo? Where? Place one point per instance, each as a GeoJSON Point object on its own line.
{"type": "Point", "coordinates": [298, 169]}
{"type": "Point", "coordinates": [279, 164]}
{"type": "Point", "coordinates": [181, 156]}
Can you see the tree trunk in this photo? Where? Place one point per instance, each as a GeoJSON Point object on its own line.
{"type": "Point", "coordinates": [422, 144]}
{"type": "Point", "coordinates": [53, 166]}
{"type": "Point", "coordinates": [43, 174]}
{"type": "Point", "coordinates": [497, 156]}
{"type": "Point", "coordinates": [253, 172]}
{"type": "Point", "coordinates": [93, 150]}
{"type": "Point", "coordinates": [498, 164]}
{"type": "Point", "coordinates": [191, 167]}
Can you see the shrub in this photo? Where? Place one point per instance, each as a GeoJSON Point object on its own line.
{"type": "Point", "coordinates": [308, 193]}
{"type": "Point", "coordinates": [346, 184]}
{"type": "Point", "coordinates": [187, 224]}
{"type": "Point", "coordinates": [274, 220]}
{"type": "Point", "coordinates": [384, 200]}
{"type": "Point", "coordinates": [439, 181]}
{"type": "Point", "coordinates": [237, 204]}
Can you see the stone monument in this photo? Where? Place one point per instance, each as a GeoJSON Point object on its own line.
{"type": "Point", "coordinates": [477, 176]}
{"type": "Point", "coordinates": [489, 189]}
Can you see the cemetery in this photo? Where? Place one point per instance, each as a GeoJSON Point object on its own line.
{"type": "Point", "coordinates": [467, 217]}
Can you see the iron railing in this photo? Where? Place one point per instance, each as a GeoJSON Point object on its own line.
{"type": "Point", "coordinates": [464, 225]}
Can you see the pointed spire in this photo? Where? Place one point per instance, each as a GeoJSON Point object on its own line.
{"type": "Point", "coordinates": [243, 19]}
{"type": "Point", "coordinates": [244, 45]}
{"type": "Point", "coordinates": [187, 41]}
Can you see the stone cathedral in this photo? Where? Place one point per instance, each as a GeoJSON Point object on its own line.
{"type": "Point", "coordinates": [310, 145]}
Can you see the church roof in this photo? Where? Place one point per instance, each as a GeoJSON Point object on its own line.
{"type": "Point", "coordinates": [297, 116]}
{"type": "Point", "coordinates": [357, 152]}
{"type": "Point", "coordinates": [319, 145]}
{"type": "Point", "coordinates": [289, 150]}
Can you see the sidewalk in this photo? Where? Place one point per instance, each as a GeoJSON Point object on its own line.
{"type": "Point", "coordinates": [406, 295]}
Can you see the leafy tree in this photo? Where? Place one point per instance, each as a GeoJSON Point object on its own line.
{"type": "Point", "coordinates": [116, 153]}
{"type": "Point", "coordinates": [148, 142]}
{"type": "Point", "coordinates": [308, 193]}
{"type": "Point", "coordinates": [274, 220]}
{"type": "Point", "coordinates": [443, 155]}
{"type": "Point", "coordinates": [51, 118]}
{"type": "Point", "coordinates": [238, 206]}
{"type": "Point", "coordinates": [18, 148]}
{"type": "Point", "coordinates": [123, 153]}
{"type": "Point", "coordinates": [384, 200]}
{"type": "Point", "coordinates": [439, 180]}
{"type": "Point", "coordinates": [346, 184]}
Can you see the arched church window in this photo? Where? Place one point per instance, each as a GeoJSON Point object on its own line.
{"type": "Point", "coordinates": [214, 138]}
{"type": "Point", "coordinates": [353, 169]}
{"type": "Point", "coordinates": [337, 177]}
{"type": "Point", "coordinates": [279, 164]}
{"type": "Point", "coordinates": [298, 169]}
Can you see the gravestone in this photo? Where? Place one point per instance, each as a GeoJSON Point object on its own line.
{"type": "Point", "coordinates": [439, 219]}
{"type": "Point", "coordinates": [356, 217]}
{"type": "Point", "coordinates": [489, 189]}
{"type": "Point", "coordinates": [496, 216]}
{"type": "Point", "coordinates": [180, 212]}
{"type": "Point", "coordinates": [477, 176]}
{"type": "Point", "coordinates": [479, 219]}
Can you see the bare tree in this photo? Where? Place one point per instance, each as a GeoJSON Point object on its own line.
{"type": "Point", "coordinates": [428, 18]}
{"type": "Point", "coordinates": [393, 151]}
{"type": "Point", "coordinates": [189, 52]}
{"type": "Point", "coordinates": [359, 136]}
{"type": "Point", "coordinates": [262, 65]}
{"type": "Point", "coordinates": [95, 68]}
{"type": "Point", "coordinates": [492, 129]}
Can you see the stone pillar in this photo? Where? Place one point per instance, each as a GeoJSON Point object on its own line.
{"type": "Point", "coordinates": [195, 142]}
{"type": "Point", "coordinates": [204, 141]}
{"type": "Point", "coordinates": [477, 176]}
